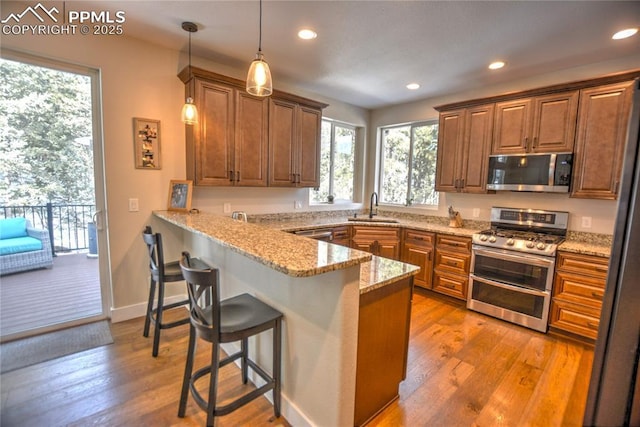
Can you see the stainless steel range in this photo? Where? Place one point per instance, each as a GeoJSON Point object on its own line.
{"type": "Point", "coordinates": [512, 265]}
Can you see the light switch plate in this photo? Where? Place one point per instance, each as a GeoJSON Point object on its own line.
{"type": "Point", "coordinates": [133, 205]}
{"type": "Point", "coordinates": [226, 208]}
{"type": "Point", "coordinates": [586, 222]}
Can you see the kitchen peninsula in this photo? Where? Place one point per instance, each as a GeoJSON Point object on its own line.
{"type": "Point", "coordinates": [344, 310]}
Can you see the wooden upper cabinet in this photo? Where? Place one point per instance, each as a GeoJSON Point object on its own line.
{"type": "Point", "coordinates": [603, 117]}
{"type": "Point", "coordinates": [464, 137]}
{"type": "Point", "coordinates": [554, 122]}
{"type": "Point", "coordinates": [294, 144]}
{"type": "Point", "coordinates": [542, 124]}
{"type": "Point", "coordinates": [242, 140]}
{"type": "Point", "coordinates": [282, 141]}
{"type": "Point", "coordinates": [251, 140]}
{"type": "Point", "coordinates": [450, 138]}
{"type": "Point", "coordinates": [210, 142]}
{"type": "Point", "coordinates": [512, 123]}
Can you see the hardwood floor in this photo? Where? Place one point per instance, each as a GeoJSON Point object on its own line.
{"type": "Point", "coordinates": [464, 369]}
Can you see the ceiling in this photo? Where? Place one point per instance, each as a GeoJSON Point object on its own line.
{"type": "Point", "coordinates": [366, 52]}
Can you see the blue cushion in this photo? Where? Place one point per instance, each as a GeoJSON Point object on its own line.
{"type": "Point", "coordinates": [13, 227]}
{"type": "Point", "coordinates": [19, 244]}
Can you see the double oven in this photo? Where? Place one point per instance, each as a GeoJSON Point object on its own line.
{"type": "Point", "coordinates": [512, 265]}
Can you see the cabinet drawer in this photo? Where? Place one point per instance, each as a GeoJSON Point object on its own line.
{"type": "Point", "coordinates": [341, 233]}
{"type": "Point", "coordinates": [419, 238]}
{"type": "Point", "coordinates": [451, 284]}
{"type": "Point", "coordinates": [583, 264]}
{"type": "Point", "coordinates": [578, 288]}
{"type": "Point", "coordinates": [575, 318]}
{"type": "Point", "coordinates": [376, 233]}
{"type": "Point", "coordinates": [453, 243]}
{"type": "Point", "coordinates": [455, 262]}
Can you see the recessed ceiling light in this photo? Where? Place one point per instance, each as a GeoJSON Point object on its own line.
{"type": "Point", "coordinates": [307, 34]}
{"type": "Point", "coordinates": [623, 34]}
{"type": "Point", "coordinates": [413, 86]}
{"type": "Point", "coordinates": [496, 65]}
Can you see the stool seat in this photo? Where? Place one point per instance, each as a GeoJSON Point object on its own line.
{"type": "Point", "coordinates": [215, 321]}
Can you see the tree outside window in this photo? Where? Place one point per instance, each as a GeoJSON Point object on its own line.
{"type": "Point", "coordinates": [408, 164]}
{"type": "Point", "coordinates": [337, 162]}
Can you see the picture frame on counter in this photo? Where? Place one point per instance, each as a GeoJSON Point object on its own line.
{"type": "Point", "coordinates": [180, 192]}
{"type": "Point", "coordinates": [146, 143]}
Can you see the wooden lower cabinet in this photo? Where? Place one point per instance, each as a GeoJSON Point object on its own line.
{"type": "Point", "coordinates": [417, 249]}
{"type": "Point", "coordinates": [342, 236]}
{"type": "Point", "coordinates": [383, 344]}
{"type": "Point", "coordinates": [380, 241]}
{"type": "Point", "coordinates": [578, 290]}
{"type": "Point", "coordinates": [452, 264]}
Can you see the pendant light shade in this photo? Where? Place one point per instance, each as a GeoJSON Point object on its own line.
{"type": "Point", "coordinates": [259, 77]}
{"type": "Point", "coordinates": [189, 110]}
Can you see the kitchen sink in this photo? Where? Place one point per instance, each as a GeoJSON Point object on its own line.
{"type": "Point", "coordinates": [374, 219]}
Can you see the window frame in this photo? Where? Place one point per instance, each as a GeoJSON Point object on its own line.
{"type": "Point", "coordinates": [381, 158]}
{"type": "Point", "coordinates": [332, 153]}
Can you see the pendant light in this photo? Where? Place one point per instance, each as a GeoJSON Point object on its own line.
{"type": "Point", "coordinates": [259, 78]}
{"type": "Point", "coordinates": [189, 110]}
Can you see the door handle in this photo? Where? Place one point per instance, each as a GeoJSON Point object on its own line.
{"type": "Point", "coordinates": [97, 219]}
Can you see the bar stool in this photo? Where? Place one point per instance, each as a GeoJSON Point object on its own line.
{"type": "Point", "coordinates": [217, 322]}
{"type": "Point", "coordinates": [161, 273]}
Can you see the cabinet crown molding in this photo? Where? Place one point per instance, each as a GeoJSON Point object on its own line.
{"type": "Point", "coordinates": [187, 74]}
{"type": "Point", "coordinates": [563, 87]}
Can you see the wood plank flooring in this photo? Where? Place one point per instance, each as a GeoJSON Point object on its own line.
{"type": "Point", "coordinates": [463, 369]}
{"type": "Point", "coordinates": [68, 291]}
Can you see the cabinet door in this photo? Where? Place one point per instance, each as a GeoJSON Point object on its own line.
{"type": "Point", "coordinates": [511, 128]}
{"type": "Point", "coordinates": [450, 137]}
{"type": "Point", "coordinates": [251, 141]}
{"type": "Point", "coordinates": [475, 150]}
{"type": "Point", "coordinates": [603, 116]}
{"type": "Point", "coordinates": [214, 139]}
{"type": "Point", "coordinates": [308, 155]}
{"type": "Point", "coordinates": [422, 257]}
{"type": "Point", "coordinates": [554, 122]}
{"type": "Point", "coordinates": [282, 137]}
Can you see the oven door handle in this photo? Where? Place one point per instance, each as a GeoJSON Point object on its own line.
{"type": "Point", "coordinates": [503, 254]}
{"type": "Point", "coordinates": [510, 287]}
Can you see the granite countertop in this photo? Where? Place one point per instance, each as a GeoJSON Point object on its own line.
{"type": "Point", "coordinates": [289, 254]}
{"type": "Point", "coordinates": [577, 242]}
{"type": "Point", "coordinates": [298, 224]}
{"type": "Point", "coordinates": [381, 271]}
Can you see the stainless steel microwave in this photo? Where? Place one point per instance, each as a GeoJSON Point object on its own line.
{"type": "Point", "coordinates": [548, 173]}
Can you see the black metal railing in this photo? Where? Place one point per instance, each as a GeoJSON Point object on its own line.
{"type": "Point", "coordinates": [68, 225]}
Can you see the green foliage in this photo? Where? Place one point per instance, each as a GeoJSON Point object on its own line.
{"type": "Point", "coordinates": [45, 136]}
{"type": "Point", "coordinates": [409, 164]}
{"type": "Point", "coordinates": [337, 163]}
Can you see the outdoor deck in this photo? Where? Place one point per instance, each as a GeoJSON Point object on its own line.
{"type": "Point", "coordinates": [68, 291]}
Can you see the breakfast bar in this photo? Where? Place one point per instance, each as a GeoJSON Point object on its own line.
{"type": "Point", "coordinates": [346, 312]}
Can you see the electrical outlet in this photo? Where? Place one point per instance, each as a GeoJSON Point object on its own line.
{"type": "Point", "coordinates": [476, 213]}
{"type": "Point", "coordinates": [297, 204]}
{"type": "Point", "coordinates": [133, 205]}
{"type": "Point", "coordinates": [226, 208]}
{"type": "Point", "coordinates": [586, 222]}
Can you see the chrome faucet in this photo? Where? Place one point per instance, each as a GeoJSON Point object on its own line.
{"type": "Point", "coordinates": [373, 195]}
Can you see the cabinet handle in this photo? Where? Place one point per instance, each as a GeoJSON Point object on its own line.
{"type": "Point", "coordinates": [452, 263]}
{"type": "Point", "coordinates": [592, 325]}
{"type": "Point", "coordinates": [462, 183]}
{"type": "Point", "coordinates": [293, 178]}
{"type": "Point", "coordinates": [526, 143]}
{"type": "Point", "coordinates": [449, 286]}
{"type": "Point", "coordinates": [601, 269]}
{"type": "Point", "coordinates": [238, 176]}
{"type": "Point", "coordinates": [596, 295]}
{"type": "Point", "coordinates": [230, 176]}
{"type": "Point", "coordinates": [535, 142]}
{"type": "Point", "coordinates": [298, 181]}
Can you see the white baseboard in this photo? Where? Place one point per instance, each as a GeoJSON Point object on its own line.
{"type": "Point", "coordinates": [121, 314]}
